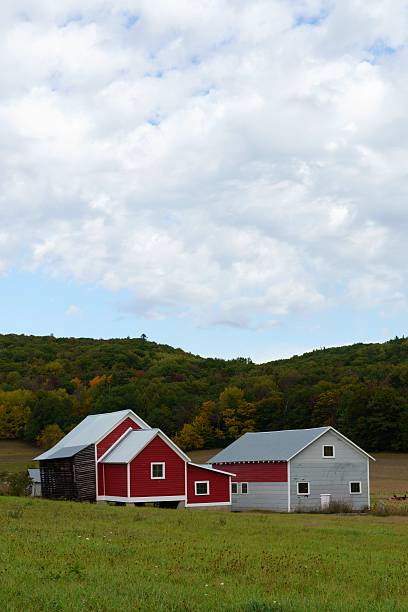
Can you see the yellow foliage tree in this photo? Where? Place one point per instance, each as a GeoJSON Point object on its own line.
{"type": "Point", "coordinates": [50, 435]}
{"type": "Point", "coordinates": [238, 414]}
{"type": "Point", "coordinates": [14, 412]}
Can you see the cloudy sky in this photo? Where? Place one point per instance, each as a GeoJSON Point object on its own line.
{"type": "Point", "coordinates": [228, 176]}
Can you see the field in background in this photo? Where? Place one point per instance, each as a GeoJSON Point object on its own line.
{"type": "Point", "coordinates": [70, 556]}
{"type": "Point", "coordinates": [16, 456]}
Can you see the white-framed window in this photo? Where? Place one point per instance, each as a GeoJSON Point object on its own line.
{"type": "Point", "coordinates": [303, 488]}
{"type": "Point", "coordinates": [234, 487]}
{"type": "Point", "coordinates": [355, 487]}
{"type": "Point", "coordinates": [328, 451]}
{"type": "Point", "coordinates": [202, 487]}
{"type": "Point", "coordinates": [244, 488]}
{"type": "Point", "coordinates": [157, 471]}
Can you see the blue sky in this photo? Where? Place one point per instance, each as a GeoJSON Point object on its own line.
{"type": "Point", "coordinates": [227, 177]}
{"type": "Point", "coordinates": [33, 304]}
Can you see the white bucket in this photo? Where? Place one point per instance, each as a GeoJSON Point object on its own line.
{"type": "Point", "coordinates": [325, 501]}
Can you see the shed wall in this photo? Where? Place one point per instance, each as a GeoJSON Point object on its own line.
{"type": "Point", "coordinates": [219, 486]}
{"type": "Point", "coordinates": [329, 475]}
{"type": "Point", "coordinates": [141, 483]}
{"type": "Point", "coordinates": [272, 496]}
{"type": "Point", "coordinates": [256, 472]}
{"type": "Point", "coordinates": [115, 479]}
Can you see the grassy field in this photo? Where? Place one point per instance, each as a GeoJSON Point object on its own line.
{"type": "Point", "coordinates": [16, 455]}
{"type": "Point", "coordinates": [70, 556]}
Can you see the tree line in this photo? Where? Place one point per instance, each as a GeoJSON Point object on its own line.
{"type": "Point", "coordinates": [48, 385]}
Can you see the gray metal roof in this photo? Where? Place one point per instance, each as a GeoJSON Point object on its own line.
{"type": "Point", "coordinates": [89, 431]}
{"type": "Point", "coordinates": [130, 446]}
{"type": "Point", "coordinates": [268, 445]}
{"type": "Point", "coordinates": [34, 474]}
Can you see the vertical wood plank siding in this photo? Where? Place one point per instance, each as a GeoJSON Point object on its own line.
{"type": "Point", "coordinates": [114, 435]}
{"type": "Point", "coordinates": [141, 483]}
{"type": "Point", "coordinates": [116, 479]}
{"type": "Point", "coordinates": [84, 474]}
{"type": "Point", "coordinates": [256, 472]}
{"type": "Point", "coordinates": [219, 486]}
{"type": "Point", "coordinates": [57, 479]}
{"type": "Point", "coordinates": [71, 478]}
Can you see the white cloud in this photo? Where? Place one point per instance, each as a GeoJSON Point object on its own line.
{"type": "Point", "coordinates": [73, 311]}
{"type": "Point", "coordinates": [221, 160]}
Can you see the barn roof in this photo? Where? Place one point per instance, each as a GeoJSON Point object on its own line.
{"type": "Point", "coordinates": [89, 431]}
{"type": "Point", "coordinates": [274, 445]}
{"type": "Point", "coordinates": [130, 446]}
{"type": "Point", "coordinates": [268, 445]}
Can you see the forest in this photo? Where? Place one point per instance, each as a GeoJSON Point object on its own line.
{"type": "Point", "coordinates": [49, 384]}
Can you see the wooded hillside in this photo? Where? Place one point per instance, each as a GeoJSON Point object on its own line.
{"type": "Point", "coordinates": [49, 384]}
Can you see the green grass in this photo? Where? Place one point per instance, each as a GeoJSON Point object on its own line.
{"type": "Point", "coordinates": [16, 455]}
{"type": "Point", "coordinates": [70, 556]}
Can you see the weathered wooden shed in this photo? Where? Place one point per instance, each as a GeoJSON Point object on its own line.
{"type": "Point", "coordinates": [296, 470]}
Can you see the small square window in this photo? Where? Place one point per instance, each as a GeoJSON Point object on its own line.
{"type": "Point", "coordinates": [157, 471]}
{"type": "Point", "coordinates": [244, 488]}
{"type": "Point", "coordinates": [328, 450]}
{"type": "Point", "coordinates": [355, 487]}
{"type": "Point", "coordinates": [303, 488]}
{"type": "Point", "coordinates": [234, 487]}
{"type": "Point", "coordinates": [202, 487]}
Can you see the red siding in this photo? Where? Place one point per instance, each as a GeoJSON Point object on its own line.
{"type": "Point", "coordinates": [100, 480]}
{"type": "Point", "coordinates": [141, 485]}
{"type": "Point", "coordinates": [115, 479]}
{"type": "Point", "coordinates": [256, 472]}
{"type": "Point", "coordinates": [219, 486]}
{"type": "Point", "coordinates": [111, 438]}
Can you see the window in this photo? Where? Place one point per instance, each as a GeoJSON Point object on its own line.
{"type": "Point", "coordinates": [202, 487]}
{"type": "Point", "coordinates": [328, 451]}
{"type": "Point", "coordinates": [244, 488]}
{"type": "Point", "coordinates": [303, 488]}
{"type": "Point", "coordinates": [157, 471]}
{"type": "Point", "coordinates": [234, 487]}
{"type": "Point", "coordinates": [355, 488]}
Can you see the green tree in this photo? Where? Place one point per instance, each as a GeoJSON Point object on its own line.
{"type": "Point", "coordinates": [238, 414]}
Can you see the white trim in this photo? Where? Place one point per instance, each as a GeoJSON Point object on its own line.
{"type": "Point", "coordinates": [368, 484]}
{"type": "Point", "coordinates": [355, 492]}
{"type": "Point", "coordinates": [174, 446]}
{"type": "Point", "coordinates": [196, 482]}
{"type": "Point", "coordinates": [333, 456]}
{"type": "Point", "coordinates": [303, 482]}
{"type": "Point", "coordinates": [288, 472]}
{"type": "Point", "coordinates": [152, 463]}
{"type": "Point", "coordinates": [205, 467]}
{"type": "Point", "coordinates": [207, 504]}
{"type": "Point", "coordinates": [247, 488]}
{"type": "Point", "coordinates": [103, 476]}
{"type": "Point", "coordinates": [237, 491]}
{"type": "Point", "coordinates": [340, 435]}
{"type": "Point", "coordinates": [128, 479]}
{"type": "Point", "coordinates": [165, 439]}
{"type": "Point", "coordinates": [229, 488]}
{"type": "Point", "coordinates": [129, 429]}
{"type": "Point", "coordinates": [185, 480]}
{"type": "Point", "coordinates": [96, 474]}
{"type": "Point", "coordinates": [140, 499]}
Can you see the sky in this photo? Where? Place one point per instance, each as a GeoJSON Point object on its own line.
{"type": "Point", "coordinates": [226, 176]}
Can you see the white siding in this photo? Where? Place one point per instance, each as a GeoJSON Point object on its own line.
{"type": "Point", "coordinates": [329, 475]}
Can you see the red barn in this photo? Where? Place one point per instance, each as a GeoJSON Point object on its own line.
{"type": "Point", "coordinates": [118, 457]}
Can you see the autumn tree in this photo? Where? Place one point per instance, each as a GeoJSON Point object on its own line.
{"type": "Point", "coordinates": [14, 412]}
{"type": "Point", "coordinates": [50, 435]}
{"type": "Point", "coordinates": [237, 413]}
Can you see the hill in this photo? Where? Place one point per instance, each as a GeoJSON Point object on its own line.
{"type": "Point", "coordinates": [49, 384]}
